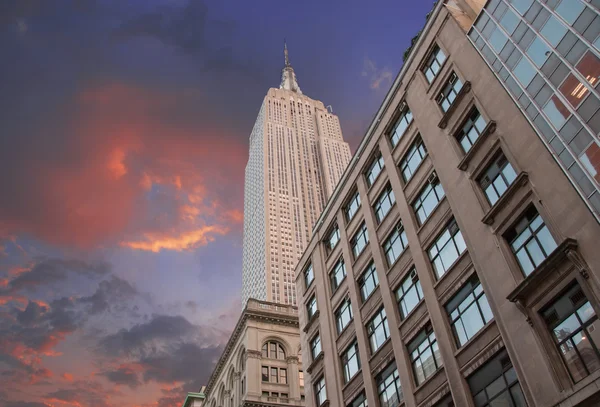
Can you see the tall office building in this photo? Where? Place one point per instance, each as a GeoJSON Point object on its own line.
{"type": "Point", "coordinates": [457, 262]}
{"type": "Point", "coordinates": [297, 156]}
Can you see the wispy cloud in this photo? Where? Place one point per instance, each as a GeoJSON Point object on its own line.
{"type": "Point", "coordinates": [377, 77]}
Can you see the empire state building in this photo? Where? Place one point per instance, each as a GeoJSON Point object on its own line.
{"type": "Point", "coordinates": [297, 156]}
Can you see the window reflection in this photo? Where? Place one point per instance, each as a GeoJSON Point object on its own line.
{"type": "Point", "coordinates": [553, 31]}
{"type": "Point", "coordinates": [524, 71]}
{"type": "Point", "coordinates": [538, 51]}
{"type": "Point", "coordinates": [589, 66]}
{"type": "Point", "coordinates": [570, 10]}
{"type": "Point", "coordinates": [509, 21]}
{"type": "Point", "coordinates": [591, 160]}
{"type": "Point", "coordinates": [556, 111]}
{"type": "Point", "coordinates": [574, 90]}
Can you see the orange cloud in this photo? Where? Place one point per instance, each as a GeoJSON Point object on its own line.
{"type": "Point", "coordinates": [185, 241]}
{"type": "Point", "coordinates": [68, 377]}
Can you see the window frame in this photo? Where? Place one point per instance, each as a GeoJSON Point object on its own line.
{"type": "Point", "coordinates": [369, 273]}
{"type": "Point", "coordinates": [424, 334]}
{"type": "Point", "coordinates": [372, 329]}
{"type": "Point", "coordinates": [431, 186]}
{"type": "Point", "coordinates": [383, 383]}
{"type": "Point", "coordinates": [451, 240]}
{"type": "Point", "coordinates": [333, 275]}
{"type": "Point", "coordinates": [354, 200]}
{"type": "Point", "coordinates": [345, 362]}
{"type": "Point", "coordinates": [320, 388]}
{"type": "Point", "coordinates": [388, 245]}
{"type": "Point", "coordinates": [461, 134]}
{"type": "Point", "coordinates": [333, 231]}
{"type": "Point", "coordinates": [416, 285]}
{"type": "Point", "coordinates": [404, 113]}
{"type": "Point", "coordinates": [432, 56]}
{"type": "Point", "coordinates": [342, 310]}
{"type": "Point", "coordinates": [315, 342]}
{"type": "Point", "coordinates": [417, 146]}
{"type": "Point", "coordinates": [311, 313]}
{"type": "Point", "coordinates": [376, 162]}
{"type": "Point", "coordinates": [361, 231]}
{"type": "Point", "coordinates": [386, 196]}
{"type": "Point", "coordinates": [448, 89]}
{"type": "Point", "coordinates": [307, 283]}
{"type": "Point", "coordinates": [500, 163]}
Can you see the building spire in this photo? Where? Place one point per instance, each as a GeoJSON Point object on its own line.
{"type": "Point", "coordinates": [288, 76]}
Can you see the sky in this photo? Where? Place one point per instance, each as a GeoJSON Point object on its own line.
{"type": "Point", "coordinates": [124, 132]}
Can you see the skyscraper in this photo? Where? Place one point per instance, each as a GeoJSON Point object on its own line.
{"type": "Point", "coordinates": [297, 156]}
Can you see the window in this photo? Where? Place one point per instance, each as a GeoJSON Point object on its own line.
{"type": "Point", "coordinates": [384, 203]}
{"type": "Point", "coordinates": [311, 307]}
{"type": "Point", "coordinates": [469, 311]}
{"type": "Point", "coordinates": [273, 350]}
{"type": "Point", "coordinates": [448, 94]}
{"type": "Point", "coordinates": [571, 319]}
{"type": "Point", "coordinates": [497, 178]}
{"type": "Point", "coordinates": [360, 401]}
{"type": "Point", "coordinates": [409, 293]}
{"type": "Point", "coordinates": [309, 276]}
{"type": "Point", "coordinates": [402, 124]}
{"type": "Point", "coordinates": [368, 281]}
{"type": "Point", "coordinates": [388, 387]}
{"type": "Point", "coordinates": [570, 10]}
{"type": "Point", "coordinates": [428, 199]}
{"type": "Point", "coordinates": [320, 391]}
{"type": "Point", "coordinates": [496, 384]}
{"type": "Point", "coordinates": [337, 275]}
{"type": "Point", "coordinates": [265, 373]}
{"type": "Point", "coordinates": [446, 249]}
{"type": "Point", "coordinates": [301, 378]}
{"type": "Point", "coordinates": [274, 375]}
{"type": "Point", "coordinates": [395, 244]}
{"type": "Point", "coordinates": [343, 315]}
{"type": "Point", "coordinates": [524, 72]}
{"type": "Point", "coordinates": [445, 402]}
{"type": "Point", "coordinates": [360, 240]}
{"type": "Point", "coordinates": [471, 130]}
{"type": "Point", "coordinates": [374, 169]}
{"type": "Point", "coordinates": [434, 63]}
{"type": "Point", "coordinates": [332, 239]}
{"type": "Point", "coordinates": [282, 375]}
{"type": "Point", "coordinates": [424, 355]}
{"type": "Point", "coordinates": [315, 346]}
{"type": "Point", "coordinates": [350, 362]}
{"type": "Point", "coordinates": [521, 5]}
{"type": "Point", "coordinates": [413, 159]}
{"type": "Point", "coordinates": [530, 240]}
{"type": "Point", "coordinates": [352, 206]}
{"type": "Point", "coordinates": [277, 375]}
{"type": "Point", "coordinates": [553, 31]}
{"type": "Point", "coordinates": [378, 330]}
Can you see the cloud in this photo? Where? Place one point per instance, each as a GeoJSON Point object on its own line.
{"type": "Point", "coordinates": [83, 393]}
{"type": "Point", "coordinates": [126, 375]}
{"type": "Point", "coordinates": [25, 404]}
{"type": "Point", "coordinates": [377, 77]}
{"type": "Point", "coordinates": [185, 241]}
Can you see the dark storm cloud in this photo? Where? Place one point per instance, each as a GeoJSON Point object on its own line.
{"type": "Point", "coordinates": [125, 376]}
{"type": "Point", "coordinates": [24, 404]}
{"type": "Point", "coordinates": [110, 293]}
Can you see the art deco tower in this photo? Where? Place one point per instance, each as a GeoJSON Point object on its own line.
{"type": "Point", "coordinates": [297, 156]}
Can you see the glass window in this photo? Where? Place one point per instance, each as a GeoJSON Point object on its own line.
{"type": "Point", "coordinates": [574, 90]}
{"type": "Point", "coordinates": [350, 362]}
{"type": "Point", "coordinates": [446, 249]}
{"type": "Point", "coordinates": [360, 401]}
{"type": "Point", "coordinates": [352, 206]}
{"type": "Point", "coordinates": [378, 330]}
{"type": "Point", "coordinates": [530, 240]}
{"type": "Point", "coordinates": [413, 158]}
{"type": "Point", "coordinates": [309, 275]}
{"type": "Point", "coordinates": [498, 39]}
{"type": "Point", "coordinates": [332, 239]}
{"type": "Point", "coordinates": [311, 307]}
{"type": "Point", "coordinates": [384, 203]}
{"type": "Point", "coordinates": [497, 178]}
{"type": "Point", "coordinates": [496, 384]}
{"type": "Point", "coordinates": [553, 31]}
{"type": "Point", "coordinates": [428, 199]}
{"type": "Point", "coordinates": [424, 354]}
{"type": "Point", "coordinates": [388, 387]}
{"type": "Point", "coordinates": [409, 294]}
{"type": "Point", "coordinates": [368, 281]}
{"type": "Point", "coordinates": [282, 375]}
{"type": "Point", "coordinates": [570, 10]}
{"type": "Point", "coordinates": [521, 5]}
{"type": "Point", "coordinates": [273, 350]}
{"type": "Point", "coordinates": [273, 375]}
{"type": "Point", "coordinates": [509, 21]}
{"type": "Point", "coordinates": [374, 169]}
{"type": "Point", "coordinates": [395, 244]}
{"type": "Point", "coordinates": [360, 240]}
{"type": "Point", "coordinates": [337, 275]}
{"type": "Point", "coordinates": [301, 378]}
{"type": "Point", "coordinates": [469, 311]}
{"type": "Point", "coordinates": [265, 373]}
{"type": "Point", "coordinates": [589, 66]}
{"type": "Point", "coordinates": [524, 72]}
{"type": "Point", "coordinates": [315, 346]}
{"type": "Point", "coordinates": [449, 92]}
{"type": "Point", "coordinates": [538, 51]}
{"type": "Point", "coordinates": [434, 63]}
{"type": "Point", "coordinates": [571, 319]}
{"type": "Point", "coordinates": [471, 130]}
{"type": "Point", "coordinates": [320, 391]}
{"type": "Point", "coordinates": [402, 124]}
{"type": "Point", "coordinates": [556, 112]}
{"type": "Point", "coordinates": [343, 315]}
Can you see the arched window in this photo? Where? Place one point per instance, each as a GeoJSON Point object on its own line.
{"type": "Point", "coordinates": [273, 350]}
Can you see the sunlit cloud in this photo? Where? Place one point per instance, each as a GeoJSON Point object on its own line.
{"type": "Point", "coordinates": [185, 241]}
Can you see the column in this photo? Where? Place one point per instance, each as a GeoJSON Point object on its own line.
{"type": "Point", "coordinates": [237, 389]}
{"type": "Point", "coordinates": [253, 365]}
{"type": "Point", "coordinates": [293, 377]}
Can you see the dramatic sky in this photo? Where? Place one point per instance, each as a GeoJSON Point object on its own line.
{"type": "Point", "coordinates": [123, 142]}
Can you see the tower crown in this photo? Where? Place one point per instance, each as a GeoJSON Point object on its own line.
{"type": "Point", "coordinates": [288, 76]}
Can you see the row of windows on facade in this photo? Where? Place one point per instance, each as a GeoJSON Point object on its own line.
{"type": "Point", "coordinates": [570, 318]}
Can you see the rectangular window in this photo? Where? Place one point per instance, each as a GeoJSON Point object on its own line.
{"type": "Point", "coordinates": [368, 281]}
{"type": "Point", "coordinates": [320, 391]}
{"type": "Point", "coordinates": [497, 178]}
{"type": "Point", "coordinates": [402, 124]}
{"type": "Point", "coordinates": [409, 293]}
{"type": "Point", "coordinates": [413, 158]}
{"type": "Point", "coordinates": [571, 319]}
{"type": "Point", "coordinates": [311, 307]}
{"type": "Point", "coordinates": [352, 206]}
{"type": "Point", "coordinates": [446, 249]}
{"type": "Point", "coordinates": [389, 389]}
{"type": "Point", "coordinates": [282, 376]}
{"type": "Point", "coordinates": [265, 374]}
{"type": "Point", "coordinates": [449, 92]}
{"type": "Point", "coordinates": [378, 330]}
{"type": "Point", "coordinates": [350, 362]}
{"type": "Point", "coordinates": [343, 315]}
{"type": "Point", "coordinates": [332, 239]}
{"type": "Point", "coordinates": [530, 240]}
{"type": "Point", "coordinates": [315, 346]}
{"type": "Point", "coordinates": [384, 203]}
{"type": "Point", "coordinates": [434, 63]}
{"type": "Point", "coordinates": [496, 384]}
{"type": "Point", "coordinates": [337, 275]}
{"type": "Point", "coordinates": [360, 240]}
{"type": "Point", "coordinates": [395, 244]}
{"type": "Point", "coordinates": [469, 311]}
{"type": "Point", "coordinates": [309, 275]}
{"type": "Point", "coordinates": [273, 375]}
{"type": "Point", "coordinates": [471, 130]}
{"type": "Point", "coordinates": [301, 378]}
{"type": "Point", "coordinates": [424, 355]}
{"type": "Point", "coordinates": [428, 199]}
{"type": "Point", "coordinates": [374, 169]}
{"type": "Point", "coordinates": [360, 401]}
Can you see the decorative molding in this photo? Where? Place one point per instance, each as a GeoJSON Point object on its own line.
{"type": "Point", "coordinates": [310, 321]}
{"type": "Point", "coordinates": [237, 375]}
{"type": "Point", "coordinates": [292, 360]}
{"type": "Point", "coordinates": [253, 354]}
{"type": "Point", "coordinates": [314, 363]}
{"type": "Point", "coordinates": [461, 94]}
{"type": "Point", "coordinates": [436, 396]}
{"type": "Point", "coordinates": [483, 356]}
{"type": "Point", "coordinates": [227, 392]}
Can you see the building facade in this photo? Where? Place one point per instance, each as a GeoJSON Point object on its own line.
{"type": "Point", "coordinates": [260, 365]}
{"type": "Point", "coordinates": [457, 262]}
{"type": "Point", "coordinates": [297, 155]}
